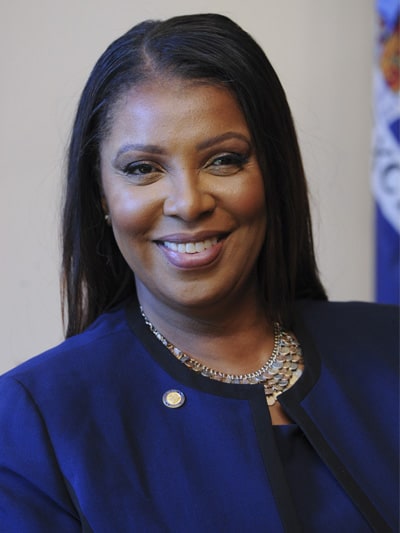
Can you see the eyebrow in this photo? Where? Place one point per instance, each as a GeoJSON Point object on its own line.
{"type": "Point", "coordinates": [154, 149]}
{"type": "Point", "coordinates": [219, 138]}
{"type": "Point", "coordinates": [151, 148]}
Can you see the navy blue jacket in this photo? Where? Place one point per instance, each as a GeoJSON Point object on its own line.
{"type": "Point", "coordinates": [86, 443]}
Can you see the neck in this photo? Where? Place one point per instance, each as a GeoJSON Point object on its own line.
{"type": "Point", "coordinates": [233, 337]}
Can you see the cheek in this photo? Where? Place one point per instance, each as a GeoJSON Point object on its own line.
{"type": "Point", "coordinates": [253, 204]}
{"type": "Point", "coordinates": [249, 200]}
{"type": "Point", "coordinates": [131, 216]}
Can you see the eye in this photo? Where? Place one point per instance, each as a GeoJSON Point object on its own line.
{"type": "Point", "coordinates": [227, 164]}
{"type": "Point", "coordinates": [139, 169]}
{"type": "Point", "coordinates": [141, 172]}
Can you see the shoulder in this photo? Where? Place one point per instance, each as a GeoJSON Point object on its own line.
{"type": "Point", "coordinates": [353, 310]}
{"type": "Point", "coordinates": [356, 341]}
{"type": "Point", "coordinates": [78, 356]}
{"type": "Point", "coordinates": [352, 320]}
{"type": "Point", "coordinates": [84, 378]}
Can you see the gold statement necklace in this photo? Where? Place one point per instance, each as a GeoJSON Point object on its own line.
{"type": "Point", "coordinates": [280, 371]}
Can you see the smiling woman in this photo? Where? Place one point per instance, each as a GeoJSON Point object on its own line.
{"type": "Point", "coordinates": [185, 196]}
{"type": "Point", "coordinates": [206, 383]}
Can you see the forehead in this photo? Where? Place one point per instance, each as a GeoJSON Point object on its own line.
{"type": "Point", "coordinates": [165, 103]}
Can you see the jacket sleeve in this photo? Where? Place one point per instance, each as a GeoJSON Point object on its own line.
{"type": "Point", "coordinates": [33, 493]}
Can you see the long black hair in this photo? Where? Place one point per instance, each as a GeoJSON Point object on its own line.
{"type": "Point", "coordinates": [207, 47]}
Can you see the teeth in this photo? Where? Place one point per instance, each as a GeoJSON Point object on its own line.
{"type": "Point", "coordinates": [191, 247]}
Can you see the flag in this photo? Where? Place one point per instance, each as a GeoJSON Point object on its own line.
{"type": "Point", "coordinates": [386, 152]}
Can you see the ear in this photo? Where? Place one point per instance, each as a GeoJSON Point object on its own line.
{"type": "Point", "coordinates": [104, 205]}
{"type": "Point", "coordinates": [103, 200]}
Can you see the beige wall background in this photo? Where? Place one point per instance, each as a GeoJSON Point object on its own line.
{"type": "Point", "coordinates": [322, 50]}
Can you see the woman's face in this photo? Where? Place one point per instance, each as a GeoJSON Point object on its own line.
{"type": "Point", "coordinates": [185, 193]}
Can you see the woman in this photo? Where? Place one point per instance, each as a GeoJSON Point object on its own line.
{"type": "Point", "coordinates": [206, 384]}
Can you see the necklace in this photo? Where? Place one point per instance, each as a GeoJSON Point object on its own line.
{"type": "Point", "coordinates": [279, 372]}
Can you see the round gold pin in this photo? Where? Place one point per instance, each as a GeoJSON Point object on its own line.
{"type": "Point", "coordinates": [173, 398]}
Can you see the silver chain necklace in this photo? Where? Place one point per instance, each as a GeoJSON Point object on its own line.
{"type": "Point", "coordinates": [280, 371]}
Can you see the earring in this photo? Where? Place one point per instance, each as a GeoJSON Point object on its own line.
{"type": "Point", "coordinates": [107, 218]}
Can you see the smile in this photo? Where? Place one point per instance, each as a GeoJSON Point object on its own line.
{"type": "Point", "coordinates": [190, 247]}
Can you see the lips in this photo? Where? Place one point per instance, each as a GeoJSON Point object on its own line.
{"type": "Point", "coordinates": [195, 251]}
{"type": "Point", "coordinates": [191, 247]}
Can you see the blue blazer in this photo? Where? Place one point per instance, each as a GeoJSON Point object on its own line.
{"type": "Point", "coordinates": [87, 444]}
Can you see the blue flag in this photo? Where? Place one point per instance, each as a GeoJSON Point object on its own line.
{"type": "Point", "coordinates": [386, 163]}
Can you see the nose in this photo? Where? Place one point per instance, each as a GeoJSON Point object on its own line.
{"type": "Point", "coordinates": [188, 198]}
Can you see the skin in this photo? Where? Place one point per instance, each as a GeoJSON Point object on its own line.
{"type": "Point", "coordinates": [179, 175]}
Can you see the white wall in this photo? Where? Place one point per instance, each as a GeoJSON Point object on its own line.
{"type": "Point", "coordinates": [322, 50]}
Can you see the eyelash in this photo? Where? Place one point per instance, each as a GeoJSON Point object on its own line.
{"type": "Point", "coordinates": [223, 163]}
{"type": "Point", "coordinates": [231, 159]}
{"type": "Point", "coordinates": [132, 167]}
